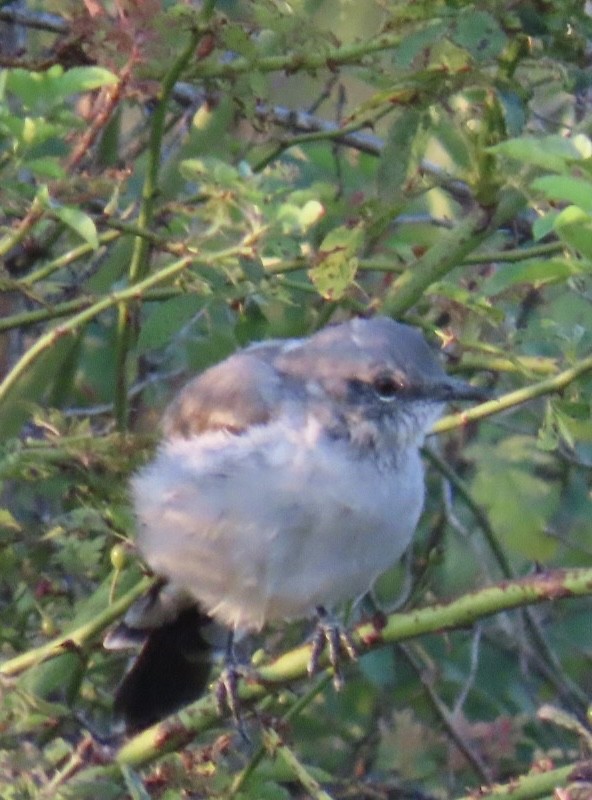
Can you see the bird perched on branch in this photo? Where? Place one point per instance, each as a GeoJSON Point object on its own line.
{"type": "Point", "coordinates": [289, 478]}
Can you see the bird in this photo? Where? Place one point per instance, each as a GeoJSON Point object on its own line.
{"type": "Point", "coordinates": [289, 477]}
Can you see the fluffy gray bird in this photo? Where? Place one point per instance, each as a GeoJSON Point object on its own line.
{"type": "Point", "coordinates": [289, 476]}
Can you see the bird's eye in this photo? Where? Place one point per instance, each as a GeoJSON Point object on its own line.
{"type": "Point", "coordinates": [386, 387]}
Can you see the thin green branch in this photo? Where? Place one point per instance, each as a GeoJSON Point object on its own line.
{"type": "Point", "coordinates": [515, 255]}
{"type": "Point", "coordinates": [180, 728]}
{"type": "Point", "coordinates": [512, 399]}
{"type": "Point", "coordinates": [276, 748]}
{"type": "Point", "coordinates": [295, 709]}
{"type": "Point", "coordinates": [70, 327]}
{"type": "Point", "coordinates": [78, 638]}
{"type": "Point", "coordinates": [536, 784]}
{"type": "Point", "coordinates": [27, 318]}
{"type": "Point", "coordinates": [303, 61]}
{"type": "Point", "coordinates": [450, 250]}
{"type": "Point", "coordinates": [65, 259]}
{"type": "Point", "coordinates": [139, 263]}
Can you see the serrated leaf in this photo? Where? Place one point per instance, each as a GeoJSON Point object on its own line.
{"type": "Point", "coordinates": [334, 275]}
{"type": "Point", "coordinates": [336, 263]}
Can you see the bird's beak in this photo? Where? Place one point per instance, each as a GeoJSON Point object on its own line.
{"type": "Point", "coordinates": [455, 389]}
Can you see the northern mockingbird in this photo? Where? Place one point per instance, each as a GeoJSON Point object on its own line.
{"type": "Point", "coordinates": [289, 476]}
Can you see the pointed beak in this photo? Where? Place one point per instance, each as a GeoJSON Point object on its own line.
{"type": "Point", "coordinates": [454, 389]}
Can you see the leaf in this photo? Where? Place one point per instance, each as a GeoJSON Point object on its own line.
{"type": "Point", "coordinates": [164, 321]}
{"type": "Point", "coordinates": [535, 271]}
{"type": "Point", "coordinates": [79, 222]}
{"type": "Point", "coordinates": [54, 85]}
{"type": "Point", "coordinates": [480, 34]}
{"type": "Point", "coordinates": [550, 153]}
{"type": "Point", "coordinates": [576, 191]}
{"type": "Point", "coordinates": [519, 503]}
{"type": "Point", "coordinates": [8, 522]}
{"type": "Point", "coordinates": [85, 79]}
{"type": "Point", "coordinates": [47, 167]}
{"type": "Point", "coordinates": [574, 227]}
{"type": "Point", "coordinates": [395, 161]}
{"type": "Point", "coordinates": [336, 263]}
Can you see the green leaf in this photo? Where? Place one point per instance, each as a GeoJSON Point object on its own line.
{"type": "Point", "coordinates": [535, 271]}
{"type": "Point", "coordinates": [479, 33]}
{"type": "Point", "coordinates": [7, 521]}
{"type": "Point", "coordinates": [79, 222]}
{"type": "Point", "coordinates": [45, 167]}
{"type": "Point", "coordinates": [336, 263]}
{"type": "Point", "coordinates": [520, 504]}
{"type": "Point", "coordinates": [84, 79]}
{"type": "Point", "coordinates": [395, 161]}
{"type": "Point", "coordinates": [209, 169]}
{"type": "Point", "coordinates": [165, 320]}
{"type": "Point", "coordinates": [576, 191]}
{"type": "Point", "coordinates": [574, 227]}
{"type": "Point", "coordinates": [54, 85]}
{"type": "Point", "coordinates": [550, 153]}
{"type": "Point", "coordinates": [297, 219]}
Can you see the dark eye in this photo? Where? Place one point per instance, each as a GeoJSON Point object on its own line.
{"type": "Point", "coordinates": [386, 387]}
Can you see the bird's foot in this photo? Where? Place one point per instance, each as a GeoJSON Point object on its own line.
{"type": "Point", "coordinates": [329, 633]}
{"type": "Point", "coordinates": [226, 689]}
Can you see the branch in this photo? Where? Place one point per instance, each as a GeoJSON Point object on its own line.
{"type": "Point", "coordinates": [70, 327]}
{"type": "Point", "coordinates": [512, 399]}
{"type": "Point", "coordinates": [139, 262]}
{"type": "Point", "coordinates": [37, 20]}
{"type": "Point", "coordinates": [78, 638]}
{"type": "Point", "coordinates": [448, 253]}
{"type": "Point", "coordinates": [536, 784]}
{"type": "Point", "coordinates": [180, 728]}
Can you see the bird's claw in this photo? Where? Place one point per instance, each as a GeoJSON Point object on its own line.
{"type": "Point", "coordinates": [339, 642]}
{"type": "Point", "coordinates": [227, 698]}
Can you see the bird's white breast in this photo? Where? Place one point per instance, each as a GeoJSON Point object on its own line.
{"type": "Point", "coordinates": [270, 524]}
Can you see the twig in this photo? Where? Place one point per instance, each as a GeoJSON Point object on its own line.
{"type": "Point", "coordinates": [138, 268]}
{"type": "Point", "coordinates": [38, 20]}
{"type": "Point", "coordinates": [446, 716]}
{"type": "Point", "coordinates": [71, 326]}
{"type": "Point", "coordinates": [554, 674]}
{"type": "Point", "coordinates": [512, 399]}
{"type": "Point", "coordinates": [77, 638]}
{"type": "Point", "coordinates": [180, 728]}
{"type": "Point", "coordinates": [536, 784]}
{"type": "Point", "coordinates": [276, 748]}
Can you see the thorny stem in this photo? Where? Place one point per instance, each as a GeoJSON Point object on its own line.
{"type": "Point", "coordinates": [139, 263]}
{"type": "Point", "coordinates": [77, 638]}
{"type": "Point", "coordinates": [178, 729]}
{"type": "Point", "coordinates": [71, 326]}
